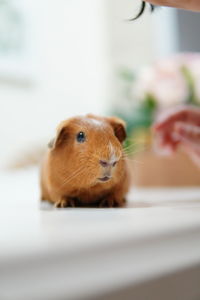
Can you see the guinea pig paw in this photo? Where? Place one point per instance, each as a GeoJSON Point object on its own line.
{"type": "Point", "coordinates": [61, 203]}
{"type": "Point", "coordinates": [71, 202]}
{"type": "Point", "coordinates": [108, 202]}
{"type": "Point", "coordinates": [104, 203]}
{"type": "Point", "coordinates": [65, 202]}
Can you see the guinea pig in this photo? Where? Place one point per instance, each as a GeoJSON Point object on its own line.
{"type": "Point", "coordinates": [85, 164]}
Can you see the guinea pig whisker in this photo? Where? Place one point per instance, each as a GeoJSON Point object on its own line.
{"type": "Point", "coordinates": [73, 175]}
{"type": "Point", "coordinates": [132, 144]}
{"type": "Point", "coordinates": [62, 172]}
{"type": "Point", "coordinates": [129, 150]}
{"type": "Point", "coordinates": [71, 178]}
{"type": "Point", "coordinates": [130, 153]}
{"type": "Point", "coordinates": [133, 160]}
{"type": "Point", "coordinates": [141, 148]}
{"type": "Point", "coordinates": [130, 147]}
{"type": "Point", "coordinates": [67, 179]}
{"type": "Point", "coordinates": [127, 155]}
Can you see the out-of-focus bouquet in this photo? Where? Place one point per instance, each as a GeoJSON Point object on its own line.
{"type": "Point", "coordinates": [168, 82]}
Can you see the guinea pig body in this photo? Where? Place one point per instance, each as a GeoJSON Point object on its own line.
{"type": "Point", "coordinates": [85, 165]}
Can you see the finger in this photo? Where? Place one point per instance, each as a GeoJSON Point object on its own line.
{"type": "Point", "coordinates": [167, 118]}
{"type": "Point", "coordinates": [187, 114]}
{"type": "Point", "coordinates": [163, 3]}
{"type": "Point", "coordinates": [188, 133]}
{"type": "Point", "coordinates": [184, 4]}
{"type": "Point", "coordinates": [165, 143]}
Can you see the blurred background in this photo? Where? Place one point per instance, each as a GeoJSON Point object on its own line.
{"type": "Point", "coordinates": [67, 57]}
{"type": "Point", "coordinates": [60, 58]}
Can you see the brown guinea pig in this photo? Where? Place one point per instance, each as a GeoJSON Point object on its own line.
{"type": "Point", "coordinates": [85, 164]}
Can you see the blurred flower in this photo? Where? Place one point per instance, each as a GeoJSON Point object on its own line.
{"type": "Point", "coordinates": [193, 65]}
{"type": "Point", "coordinates": [170, 81]}
{"type": "Point", "coordinates": [166, 83]}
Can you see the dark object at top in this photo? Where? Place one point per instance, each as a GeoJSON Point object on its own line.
{"type": "Point", "coordinates": [142, 9]}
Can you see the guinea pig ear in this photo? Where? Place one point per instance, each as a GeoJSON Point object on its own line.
{"type": "Point", "coordinates": [119, 127]}
{"type": "Point", "coordinates": [61, 136]}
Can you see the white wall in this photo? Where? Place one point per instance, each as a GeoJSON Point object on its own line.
{"type": "Point", "coordinates": [75, 50]}
{"type": "Point", "coordinates": [68, 66]}
{"type": "Point", "coordinates": [131, 42]}
{"type": "Point", "coordinates": [165, 32]}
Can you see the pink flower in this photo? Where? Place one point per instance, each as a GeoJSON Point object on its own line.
{"type": "Point", "coordinates": [165, 81]}
{"type": "Point", "coordinates": [193, 64]}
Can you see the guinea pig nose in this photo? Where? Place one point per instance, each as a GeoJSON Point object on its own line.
{"type": "Point", "coordinates": [104, 163]}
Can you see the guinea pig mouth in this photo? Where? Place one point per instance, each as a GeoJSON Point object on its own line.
{"type": "Point", "coordinates": [106, 178]}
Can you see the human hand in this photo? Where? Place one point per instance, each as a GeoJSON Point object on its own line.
{"type": "Point", "coordinates": [179, 127]}
{"type": "Point", "coordinates": [184, 4]}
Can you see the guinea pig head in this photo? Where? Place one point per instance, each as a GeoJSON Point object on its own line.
{"type": "Point", "coordinates": [88, 150]}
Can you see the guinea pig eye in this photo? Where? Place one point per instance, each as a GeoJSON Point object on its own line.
{"type": "Point", "coordinates": [80, 137]}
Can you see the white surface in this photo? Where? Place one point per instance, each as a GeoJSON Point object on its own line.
{"type": "Point", "coordinates": [82, 253]}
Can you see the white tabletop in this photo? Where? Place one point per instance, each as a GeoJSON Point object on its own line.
{"type": "Point", "coordinates": [48, 253]}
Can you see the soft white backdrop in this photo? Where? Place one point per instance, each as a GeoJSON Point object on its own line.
{"type": "Point", "coordinates": [74, 51]}
{"type": "Point", "coordinates": [68, 69]}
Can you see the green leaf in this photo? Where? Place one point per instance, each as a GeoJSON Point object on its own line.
{"type": "Point", "coordinates": [191, 98]}
{"type": "Point", "coordinates": [127, 75]}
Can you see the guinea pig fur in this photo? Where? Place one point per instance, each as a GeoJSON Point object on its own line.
{"type": "Point", "coordinates": [85, 164]}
